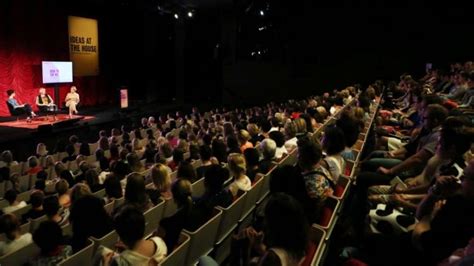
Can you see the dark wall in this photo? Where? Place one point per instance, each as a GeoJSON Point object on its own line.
{"type": "Point", "coordinates": [314, 48]}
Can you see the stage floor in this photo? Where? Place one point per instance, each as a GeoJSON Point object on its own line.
{"type": "Point", "coordinates": [43, 120]}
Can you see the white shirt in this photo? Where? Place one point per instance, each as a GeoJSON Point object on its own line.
{"type": "Point", "coordinates": [243, 184]}
{"type": "Point", "coordinates": [10, 246]}
{"type": "Point", "coordinates": [10, 209]}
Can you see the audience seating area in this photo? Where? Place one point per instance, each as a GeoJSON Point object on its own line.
{"type": "Point", "coordinates": [214, 237]}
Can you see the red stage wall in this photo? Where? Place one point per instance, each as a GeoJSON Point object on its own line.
{"type": "Point", "coordinates": [30, 32]}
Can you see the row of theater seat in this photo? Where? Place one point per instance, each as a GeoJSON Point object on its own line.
{"type": "Point", "coordinates": [214, 237]}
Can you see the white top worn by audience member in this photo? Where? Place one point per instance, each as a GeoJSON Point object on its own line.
{"type": "Point", "coordinates": [129, 257]}
{"type": "Point", "coordinates": [243, 183]}
{"type": "Point", "coordinates": [279, 152]}
{"type": "Point", "coordinates": [291, 144]}
{"type": "Point", "coordinates": [10, 209]}
{"type": "Point", "coordinates": [9, 246]}
{"type": "Point", "coordinates": [336, 166]}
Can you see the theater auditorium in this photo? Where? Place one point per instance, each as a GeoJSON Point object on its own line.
{"type": "Point", "coordinates": [235, 133]}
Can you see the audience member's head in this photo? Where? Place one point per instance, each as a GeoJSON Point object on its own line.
{"type": "Point", "coordinates": [10, 226]}
{"type": "Point", "coordinates": [161, 177]}
{"type": "Point", "coordinates": [236, 164]}
{"type": "Point", "coordinates": [268, 148]}
{"type": "Point", "coordinates": [135, 192]}
{"type": "Point", "coordinates": [187, 171]}
{"type": "Point", "coordinates": [309, 153]}
{"type": "Point", "coordinates": [286, 226]}
{"type": "Point", "coordinates": [130, 235]}
{"type": "Point", "coordinates": [333, 140]}
{"type": "Point", "coordinates": [113, 188]}
{"type": "Point", "coordinates": [48, 237]}
{"type": "Point", "coordinates": [215, 178]}
{"type": "Point", "coordinates": [62, 187]}
{"type": "Point", "coordinates": [181, 190]}
{"type": "Point", "coordinates": [78, 191]}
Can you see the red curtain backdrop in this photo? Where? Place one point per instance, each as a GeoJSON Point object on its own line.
{"type": "Point", "coordinates": [31, 32]}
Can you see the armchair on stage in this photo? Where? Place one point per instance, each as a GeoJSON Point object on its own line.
{"type": "Point", "coordinates": [16, 112]}
{"type": "Point", "coordinates": [48, 110]}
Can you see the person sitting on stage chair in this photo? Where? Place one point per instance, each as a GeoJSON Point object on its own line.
{"type": "Point", "coordinates": [45, 102]}
{"type": "Point", "coordinates": [23, 108]}
{"type": "Point", "coordinates": [72, 100]}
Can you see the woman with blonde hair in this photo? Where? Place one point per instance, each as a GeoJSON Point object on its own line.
{"type": "Point", "coordinates": [238, 168]}
{"type": "Point", "coordinates": [161, 178]}
{"type": "Point", "coordinates": [244, 138]}
{"type": "Point", "coordinates": [41, 150]}
{"type": "Point", "coordinates": [72, 100]}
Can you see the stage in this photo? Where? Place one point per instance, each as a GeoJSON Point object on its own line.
{"type": "Point", "coordinates": [22, 137]}
{"type": "Point", "coordinates": [44, 121]}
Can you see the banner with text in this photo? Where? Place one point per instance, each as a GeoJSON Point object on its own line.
{"type": "Point", "coordinates": [84, 45]}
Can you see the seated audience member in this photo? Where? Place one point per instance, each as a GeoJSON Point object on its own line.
{"type": "Point", "coordinates": [279, 139]}
{"type": "Point", "coordinates": [36, 200]}
{"type": "Point", "coordinates": [49, 238]}
{"type": "Point", "coordinates": [137, 251]}
{"type": "Point", "coordinates": [244, 138]}
{"type": "Point", "coordinates": [238, 168]}
{"type": "Point", "coordinates": [103, 161]}
{"type": "Point", "coordinates": [232, 145]}
{"type": "Point", "coordinates": [285, 234]}
{"type": "Point", "coordinates": [135, 163]}
{"type": "Point", "coordinates": [6, 159]}
{"type": "Point", "coordinates": [252, 158]}
{"type": "Point", "coordinates": [205, 153]}
{"type": "Point", "coordinates": [33, 166]}
{"type": "Point", "coordinates": [183, 218]}
{"type": "Point", "coordinates": [254, 131]}
{"type": "Point", "coordinates": [319, 184]}
{"type": "Point", "coordinates": [41, 150]}
{"type": "Point", "coordinates": [178, 157]}
{"type": "Point", "coordinates": [290, 136]}
{"type": "Point", "coordinates": [84, 149]}
{"type": "Point", "coordinates": [54, 212]}
{"type": "Point", "coordinates": [113, 188]}
{"type": "Point", "coordinates": [70, 150]}
{"type": "Point", "coordinates": [215, 194]}
{"type": "Point", "coordinates": [161, 184]}
{"type": "Point", "coordinates": [67, 175]}
{"type": "Point", "coordinates": [444, 224]}
{"type": "Point", "coordinates": [83, 167]}
{"type": "Point", "coordinates": [10, 226]}
{"type": "Point", "coordinates": [333, 145]}
{"type": "Point", "coordinates": [78, 191]}
{"type": "Point", "coordinates": [89, 219]}
{"type": "Point", "coordinates": [349, 127]}
{"type": "Point", "coordinates": [268, 149]}
{"type": "Point", "coordinates": [92, 179]}
{"type": "Point", "coordinates": [13, 203]}
{"type": "Point", "coordinates": [62, 188]}
{"type": "Point", "coordinates": [135, 192]}
{"type": "Point", "coordinates": [186, 171]}
{"type": "Point", "coordinates": [219, 150]}
{"type": "Point", "coordinates": [288, 179]}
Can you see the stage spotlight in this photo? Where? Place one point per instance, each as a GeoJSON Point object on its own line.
{"type": "Point", "coordinates": [262, 13]}
{"type": "Point", "coordinates": [190, 14]}
{"type": "Point", "coordinates": [176, 16]}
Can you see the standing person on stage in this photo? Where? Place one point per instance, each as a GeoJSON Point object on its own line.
{"type": "Point", "coordinates": [72, 100]}
{"type": "Point", "coordinates": [24, 107]}
{"type": "Point", "coordinates": [45, 102]}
